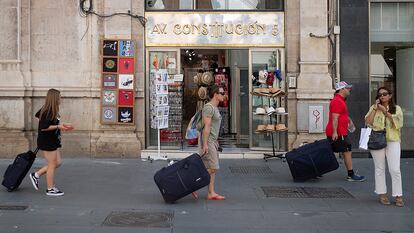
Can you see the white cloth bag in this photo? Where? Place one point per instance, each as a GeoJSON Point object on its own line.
{"type": "Point", "coordinates": [363, 140]}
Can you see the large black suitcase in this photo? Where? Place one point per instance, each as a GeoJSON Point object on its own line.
{"type": "Point", "coordinates": [16, 171]}
{"type": "Point", "coordinates": [182, 178]}
{"type": "Point", "coordinates": [311, 160]}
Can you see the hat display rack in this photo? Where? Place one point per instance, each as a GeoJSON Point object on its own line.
{"type": "Point", "coordinates": [207, 77]}
{"type": "Point", "coordinates": [267, 97]}
{"type": "Point", "coordinates": [203, 80]}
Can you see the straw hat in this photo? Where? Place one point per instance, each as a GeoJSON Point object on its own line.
{"type": "Point", "coordinates": [261, 128]}
{"type": "Point", "coordinates": [207, 78]}
{"type": "Point", "coordinates": [270, 128]}
{"type": "Point", "coordinates": [278, 93]}
{"type": "Point", "coordinates": [202, 93]}
{"type": "Point", "coordinates": [264, 91]}
{"type": "Point", "coordinates": [281, 127]}
{"type": "Point", "coordinates": [257, 91]}
{"type": "Point", "coordinates": [273, 90]}
{"type": "Point", "coordinates": [196, 79]}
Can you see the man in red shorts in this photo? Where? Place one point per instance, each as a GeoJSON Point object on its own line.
{"type": "Point", "coordinates": [337, 128]}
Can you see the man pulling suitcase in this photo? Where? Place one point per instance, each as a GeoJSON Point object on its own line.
{"type": "Point", "coordinates": [337, 128]}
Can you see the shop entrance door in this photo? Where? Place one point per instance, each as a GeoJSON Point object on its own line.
{"type": "Point", "coordinates": [229, 69]}
{"type": "Point", "coordinates": [240, 64]}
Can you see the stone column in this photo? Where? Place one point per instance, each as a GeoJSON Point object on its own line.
{"type": "Point", "coordinates": [292, 11]}
{"type": "Point", "coordinates": [13, 139]}
{"type": "Point", "coordinates": [314, 84]}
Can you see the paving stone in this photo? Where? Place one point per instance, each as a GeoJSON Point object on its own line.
{"type": "Point", "coordinates": [95, 188]}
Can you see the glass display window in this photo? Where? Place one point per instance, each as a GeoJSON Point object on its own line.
{"type": "Point", "coordinates": [156, 5]}
{"type": "Point", "coordinates": [267, 97]}
{"type": "Point", "coordinates": [392, 53]}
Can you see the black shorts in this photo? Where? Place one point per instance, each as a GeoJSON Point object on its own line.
{"type": "Point", "coordinates": [48, 142]}
{"type": "Point", "coordinates": [342, 144]}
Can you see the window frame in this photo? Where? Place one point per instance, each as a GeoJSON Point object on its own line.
{"type": "Point", "coordinates": [216, 10]}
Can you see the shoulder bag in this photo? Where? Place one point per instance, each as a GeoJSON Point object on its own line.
{"type": "Point", "coordinates": [377, 139]}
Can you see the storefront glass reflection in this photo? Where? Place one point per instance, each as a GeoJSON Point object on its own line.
{"type": "Point", "coordinates": [269, 116]}
{"type": "Point", "coordinates": [214, 5]}
{"type": "Point", "coordinates": [392, 53]}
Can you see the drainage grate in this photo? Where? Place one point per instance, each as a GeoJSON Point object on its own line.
{"type": "Point", "coordinates": [139, 219]}
{"type": "Point", "coordinates": [305, 192]}
{"type": "Point", "coordinates": [251, 170]}
{"type": "Point", "coordinates": [284, 192]}
{"type": "Point", "coordinates": [13, 207]}
{"type": "Point", "coordinates": [335, 192]}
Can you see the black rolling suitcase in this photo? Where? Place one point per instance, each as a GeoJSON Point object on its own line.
{"type": "Point", "coordinates": [16, 171]}
{"type": "Point", "coordinates": [182, 178]}
{"type": "Point", "coordinates": [311, 160]}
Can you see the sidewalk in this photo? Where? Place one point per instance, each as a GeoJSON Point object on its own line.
{"type": "Point", "coordinates": [96, 188]}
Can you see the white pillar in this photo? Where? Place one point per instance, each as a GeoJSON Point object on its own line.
{"type": "Point", "coordinates": [314, 81]}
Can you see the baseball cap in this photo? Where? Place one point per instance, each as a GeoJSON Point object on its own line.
{"type": "Point", "coordinates": [341, 85]}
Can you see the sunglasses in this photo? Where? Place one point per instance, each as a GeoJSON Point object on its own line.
{"type": "Point", "coordinates": [383, 94]}
{"type": "Point", "coordinates": [221, 93]}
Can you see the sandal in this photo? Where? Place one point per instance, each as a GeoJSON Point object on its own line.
{"type": "Point", "coordinates": [399, 202]}
{"type": "Point", "coordinates": [384, 200]}
{"type": "Point", "coordinates": [217, 198]}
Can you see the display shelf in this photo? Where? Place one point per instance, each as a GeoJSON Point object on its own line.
{"type": "Point", "coordinates": [273, 119]}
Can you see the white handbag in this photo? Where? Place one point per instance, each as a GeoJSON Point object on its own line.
{"type": "Point", "coordinates": [363, 140]}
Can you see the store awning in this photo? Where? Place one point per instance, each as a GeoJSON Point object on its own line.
{"type": "Point", "coordinates": [378, 66]}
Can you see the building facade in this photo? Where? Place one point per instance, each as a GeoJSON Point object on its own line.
{"type": "Point", "coordinates": [377, 41]}
{"type": "Point", "coordinates": [298, 47]}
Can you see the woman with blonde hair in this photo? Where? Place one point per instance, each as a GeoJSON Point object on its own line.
{"type": "Point", "coordinates": [48, 141]}
{"type": "Point", "coordinates": [386, 115]}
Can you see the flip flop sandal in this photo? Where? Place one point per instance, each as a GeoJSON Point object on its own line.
{"type": "Point", "coordinates": [216, 198]}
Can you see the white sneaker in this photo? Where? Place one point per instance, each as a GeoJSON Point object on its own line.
{"type": "Point", "coordinates": [35, 181]}
{"type": "Point", "coordinates": [54, 192]}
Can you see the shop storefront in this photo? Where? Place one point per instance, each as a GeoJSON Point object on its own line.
{"type": "Point", "coordinates": [241, 45]}
{"type": "Point", "coordinates": [376, 51]}
{"type": "Point", "coordinates": [239, 50]}
{"type": "Point", "coordinates": [392, 56]}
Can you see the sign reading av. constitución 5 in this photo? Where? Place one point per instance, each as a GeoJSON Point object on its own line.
{"type": "Point", "coordinates": [226, 29]}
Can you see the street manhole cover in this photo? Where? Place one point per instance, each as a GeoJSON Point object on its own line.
{"type": "Point", "coordinates": [251, 170]}
{"type": "Point", "coordinates": [139, 219]}
{"type": "Point", "coordinates": [13, 207]}
{"type": "Point", "coordinates": [305, 192]}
